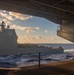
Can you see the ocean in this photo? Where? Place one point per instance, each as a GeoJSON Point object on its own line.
{"type": "Point", "coordinates": [67, 47]}
{"type": "Point", "coordinates": [12, 61]}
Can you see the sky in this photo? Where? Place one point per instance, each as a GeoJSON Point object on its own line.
{"type": "Point", "coordinates": [31, 29]}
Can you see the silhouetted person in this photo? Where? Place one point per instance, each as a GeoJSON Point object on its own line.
{"type": "Point", "coordinates": [3, 24]}
{"type": "Point", "coordinates": [8, 27]}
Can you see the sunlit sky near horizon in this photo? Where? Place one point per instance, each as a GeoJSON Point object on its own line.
{"type": "Point", "coordinates": [31, 29]}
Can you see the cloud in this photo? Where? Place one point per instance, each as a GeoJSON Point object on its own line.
{"type": "Point", "coordinates": [27, 29]}
{"type": "Point", "coordinates": [20, 16]}
{"type": "Point", "coordinates": [56, 39]}
{"type": "Point", "coordinates": [40, 39]}
{"type": "Point", "coordinates": [13, 15]}
{"type": "Point", "coordinates": [30, 39]}
{"type": "Point", "coordinates": [38, 28]}
{"type": "Point", "coordinates": [46, 31]}
{"type": "Point", "coordinates": [7, 16]}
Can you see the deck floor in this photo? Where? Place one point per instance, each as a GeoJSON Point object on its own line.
{"type": "Point", "coordinates": [57, 68]}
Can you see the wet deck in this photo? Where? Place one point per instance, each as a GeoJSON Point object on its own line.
{"type": "Point", "coordinates": [58, 68]}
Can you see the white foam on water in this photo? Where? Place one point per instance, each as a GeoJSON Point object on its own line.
{"type": "Point", "coordinates": [27, 60]}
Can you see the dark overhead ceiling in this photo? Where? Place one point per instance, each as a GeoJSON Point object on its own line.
{"type": "Point", "coordinates": [64, 5]}
{"type": "Point", "coordinates": [53, 10]}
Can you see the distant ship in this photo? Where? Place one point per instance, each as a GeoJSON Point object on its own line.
{"type": "Point", "coordinates": [8, 44]}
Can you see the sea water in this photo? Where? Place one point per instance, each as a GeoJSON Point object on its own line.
{"type": "Point", "coordinates": [12, 61]}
